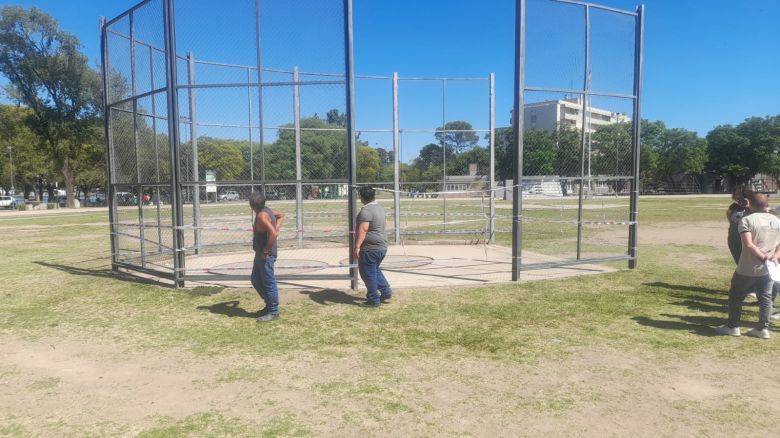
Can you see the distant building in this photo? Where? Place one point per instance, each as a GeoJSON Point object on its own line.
{"type": "Point", "coordinates": [550, 114]}
{"type": "Point", "coordinates": [462, 183]}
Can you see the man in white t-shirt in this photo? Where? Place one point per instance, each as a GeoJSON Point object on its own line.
{"type": "Point", "coordinates": [760, 234]}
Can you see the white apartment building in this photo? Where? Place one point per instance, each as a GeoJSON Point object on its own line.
{"type": "Point", "coordinates": [550, 114]}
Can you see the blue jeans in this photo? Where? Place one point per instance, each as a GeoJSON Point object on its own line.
{"type": "Point", "coordinates": [371, 273]}
{"type": "Point", "coordinates": [264, 282]}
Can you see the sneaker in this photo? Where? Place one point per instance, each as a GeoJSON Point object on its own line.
{"type": "Point", "coordinates": [761, 334]}
{"type": "Point", "coordinates": [775, 317]}
{"type": "Point", "coordinates": [386, 299]}
{"type": "Point", "coordinates": [369, 305]}
{"type": "Point", "coordinates": [263, 311]}
{"type": "Point", "coordinates": [268, 317]}
{"type": "Point", "coordinates": [726, 330]}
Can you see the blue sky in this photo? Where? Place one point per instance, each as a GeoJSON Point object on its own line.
{"type": "Point", "coordinates": [706, 63]}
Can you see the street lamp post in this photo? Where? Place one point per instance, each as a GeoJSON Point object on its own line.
{"type": "Point", "coordinates": [11, 162]}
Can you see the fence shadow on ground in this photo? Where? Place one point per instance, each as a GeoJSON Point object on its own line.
{"type": "Point", "coordinates": [103, 271]}
{"type": "Point", "coordinates": [327, 297]}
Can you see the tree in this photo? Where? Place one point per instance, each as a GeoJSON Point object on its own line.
{"type": "Point", "coordinates": [732, 155]}
{"type": "Point", "coordinates": [31, 170]}
{"type": "Point", "coordinates": [457, 136]}
{"type": "Point", "coordinates": [336, 118]}
{"type": "Point", "coordinates": [368, 164]}
{"type": "Point", "coordinates": [221, 156]}
{"type": "Point", "coordinates": [47, 72]}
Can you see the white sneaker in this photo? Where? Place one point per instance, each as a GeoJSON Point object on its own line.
{"type": "Point", "coordinates": [761, 334]}
{"type": "Point", "coordinates": [726, 330]}
{"type": "Point", "coordinates": [775, 317]}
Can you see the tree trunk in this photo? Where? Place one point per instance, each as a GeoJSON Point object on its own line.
{"type": "Point", "coordinates": [70, 184]}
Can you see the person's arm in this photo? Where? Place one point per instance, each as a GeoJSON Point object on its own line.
{"type": "Point", "coordinates": [360, 236]}
{"type": "Point", "coordinates": [264, 223]}
{"type": "Point", "coordinates": [279, 219]}
{"type": "Point", "coordinates": [748, 245]}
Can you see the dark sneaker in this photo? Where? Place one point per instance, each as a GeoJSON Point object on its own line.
{"type": "Point", "coordinates": [369, 305]}
{"type": "Point", "coordinates": [263, 311]}
{"type": "Point", "coordinates": [268, 317]}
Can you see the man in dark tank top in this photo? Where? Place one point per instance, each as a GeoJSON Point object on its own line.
{"type": "Point", "coordinates": [266, 224]}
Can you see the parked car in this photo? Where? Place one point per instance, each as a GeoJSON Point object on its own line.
{"type": "Point", "coordinates": [126, 198]}
{"type": "Point", "coordinates": [8, 202]}
{"type": "Point", "coordinates": [230, 195]}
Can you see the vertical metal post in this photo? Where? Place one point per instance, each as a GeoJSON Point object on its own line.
{"type": "Point", "coordinates": [585, 120]}
{"type": "Point", "coordinates": [194, 143]}
{"type": "Point", "coordinates": [110, 196]}
{"type": "Point", "coordinates": [261, 133]}
{"type": "Point", "coordinates": [298, 166]}
{"type": "Point", "coordinates": [156, 152]}
{"type": "Point", "coordinates": [492, 170]}
{"type": "Point", "coordinates": [518, 125]}
{"type": "Point", "coordinates": [249, 124]}
{"type": "Point", "coordinates": [636, 143]}
{"type": "Point", "coordinates": [174, 139]}
{"type": "Point", "coordinates": [139, 186]}
{"type": "Point", "coordinates": [349, 62]}
{"type": "Point", "coordinates": [396, 165]}
{"type": "Point", "coordinates": [444, 150]}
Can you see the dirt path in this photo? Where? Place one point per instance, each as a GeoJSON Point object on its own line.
{"type": "Point", "coordinates": [592, 393]}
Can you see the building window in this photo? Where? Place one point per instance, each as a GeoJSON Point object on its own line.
{"type": "Point", "coordinates": [533, 119]}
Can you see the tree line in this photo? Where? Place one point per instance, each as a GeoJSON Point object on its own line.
{"type": "Point", "coordinates": [54, 129]}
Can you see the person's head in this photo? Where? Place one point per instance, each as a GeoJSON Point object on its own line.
{"type": "Point", "coordinates": [257, 202]}
{"type": "Point", "coordinates": [367, 194]}
{"type": "Point", "coordinates": [739, 195]}
{"type": "Point", "coordinates": [757, 202]}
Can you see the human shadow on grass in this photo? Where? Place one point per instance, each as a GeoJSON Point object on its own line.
{"type": "Point", "coordinates": [685, 288]}
{"type": "Point", "coordinates": [702, 326]}
{"type": "Point", "coordinates": [331, 296]}
{"type": "Point", "coordinates": [231, 309]}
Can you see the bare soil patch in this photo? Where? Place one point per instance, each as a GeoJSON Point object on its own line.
{"type": "Point", "coordinates": [594, 393]}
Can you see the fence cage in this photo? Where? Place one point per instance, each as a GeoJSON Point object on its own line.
{"type": "Point", "coordinates": [268, 101]}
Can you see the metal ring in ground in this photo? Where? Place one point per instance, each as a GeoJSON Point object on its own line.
{"type": "Point", "coordinates": [402, 261]}
{"type": "Point", "coordinates": [282, 267]}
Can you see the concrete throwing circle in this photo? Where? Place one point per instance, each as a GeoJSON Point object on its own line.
{"type": "Point", "coordinates": [282, 267]}
{"type": "Point", "coordinates": [402, 261]}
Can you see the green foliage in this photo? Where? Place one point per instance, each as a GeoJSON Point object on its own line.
{"type": "Point", "coordinates": [369, 164]}
{"type": "Point", "coordinates": [47, 72]}
{"type": "Point", "coordinates": [739, 152]}
{"type": "Point", "coordinates": [457, 136]}
{"type": "Point", "coordinates": [51, 206]}
{"type": "Point", "coordinates": [21, 207]}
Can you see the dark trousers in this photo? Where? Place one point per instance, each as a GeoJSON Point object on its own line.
{"type": "Point", "coordinates": [369, 264]}
{"type": "Point", "coordinates": [264, 282]}
{"type": "Point", "coordinates": [742, 285]}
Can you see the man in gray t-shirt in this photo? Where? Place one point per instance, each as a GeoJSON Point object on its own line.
{"type": "Point", "coordinates": [371, 248]}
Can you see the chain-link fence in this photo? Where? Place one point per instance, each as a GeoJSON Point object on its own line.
{"type": "Point", "coordinates": [199, 119]}
{"type": "Point", "coordinates": [578, 104]}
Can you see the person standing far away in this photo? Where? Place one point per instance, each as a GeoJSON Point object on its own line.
{"type": "Point", "coordinates": [265, 231]}
{"type": "Point", "coordinates": [760, 234]}
{"type": "Point", "coordinates": [737, 210]}
{"type": "Point", "coordinates": [371, 248]}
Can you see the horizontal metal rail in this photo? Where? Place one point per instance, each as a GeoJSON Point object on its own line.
{"type": "Point", "coordinates": [597, 6]}
{"type": "Point", "coordinates": [578, 92]}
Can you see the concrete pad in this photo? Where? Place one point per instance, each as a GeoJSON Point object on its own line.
{"type": "Point", "coordinates": [406, 267]}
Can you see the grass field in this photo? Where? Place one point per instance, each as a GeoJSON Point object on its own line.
{"type": "Point", "coordinates": [84, 352]}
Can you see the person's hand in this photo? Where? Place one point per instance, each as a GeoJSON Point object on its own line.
{"type": "Point", "coordinates": [264, 255]}
{"type": "Point", "coordinates": [356, 254]}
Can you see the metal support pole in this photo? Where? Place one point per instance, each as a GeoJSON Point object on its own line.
{"type": "Point", "coordinates": [518, 125]}
{"type": "Point", "coordinates": [177, 212]}
{"type": "Point", "coordinates": [12, 189]}
{"type": "Point", "coordinates": [585, 120]}
{"type": "Point", "coordinates": [194, 142]}
{"type": "Point", "coordinates": [396, 165]}
{"type": "Point", "coordinates": [444, 150]}
{"type": "Point", "coordinates": [249, 124]}
{"type": "Point", "coordinates": [298, 166]}
{"type": "Point", "coordinates": [492, 170]}
{"type": "Point", "coordinates": [156, 152]}
{"type": "Point", "coordinates": [349, 62]}
{"type": "Point", "coordinates": [110, 196]}
{"type": "Point", "coordinates": [139, 187]}
{"type": "Point", "coordinates": [636, 143]}
{"type": "Point", "coordinates": [261, 138]}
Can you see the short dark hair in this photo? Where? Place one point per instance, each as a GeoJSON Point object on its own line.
{"type": "Point", "coordinates": [367, 193]}
{"type": "Point", "coordinates": [257, 201]}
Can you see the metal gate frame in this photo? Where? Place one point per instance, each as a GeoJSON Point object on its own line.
{"type": "Point", "coordinates": [518, 125]}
